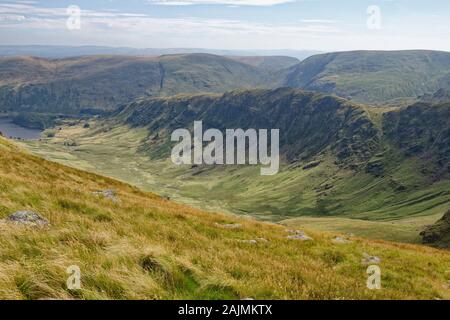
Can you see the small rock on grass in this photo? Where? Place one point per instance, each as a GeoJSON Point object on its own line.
{"type": "Point", "coordinates": [340, 240]}
{"type": "Point", "coordinates": [249, 241]}
{"type": "Point", "coordinates": [368, 259]}
{"type": "Point", "coordinates": [301, 237]}
{"type": "Point", "coordinates": [254, 241]}
{"type": "Point", "coordinates": [229, 226]}
{"type": "Point", "coordinates": [109, 194]}
{"type": "Point", "coordinates": [298, 235]}
{"type": "Point", "coordinates": [28, 218]}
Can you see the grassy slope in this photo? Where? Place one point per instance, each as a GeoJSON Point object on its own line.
{"type": "Point", "coordinates": [147, 247]}
{"type": "Point", "coordinates": [270, 63]}
{"type": "Point", "coordinates": [292, 193]}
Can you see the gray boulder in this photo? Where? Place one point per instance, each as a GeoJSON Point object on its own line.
{"type": "Point", "coordinates": [229, 226]}
{"type": "Point", "coordinates": [108, 194]}
{"type": "Point", "coordinates": [298, 235]}
{"type": "Point", "coordinates": [28, 218]}
{"type": "Point", "coordinates": [340, 240]}
{"type": "Point", "coordinates": [368, 259]}
{"type": "Point", "coordinates": [249, 241]}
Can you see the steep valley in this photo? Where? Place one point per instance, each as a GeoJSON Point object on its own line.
{"type": "Point", "coordinates": [361, 173]}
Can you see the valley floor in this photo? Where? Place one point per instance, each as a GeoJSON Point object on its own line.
{"type": "Point", "coordinates": [403, 230]}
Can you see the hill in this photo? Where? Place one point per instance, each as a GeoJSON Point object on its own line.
{"type": "Point", "coordinates": [95, 84]}
{"type": "Point", "coordinates": [310, 123]}
{"type": "Point", "coordinates": [374, 77]}
{"type": "Point", "coordinates": [339, 159]}
{"type": "Point", "coordinates": [130, 244]}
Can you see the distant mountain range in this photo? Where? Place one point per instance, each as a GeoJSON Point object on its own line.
{"type": "Point", "coordinates": [95, 84]}
{"type": "Point", "coordinates": [73, 51]}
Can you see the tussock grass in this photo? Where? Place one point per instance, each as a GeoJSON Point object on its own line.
{"type": "Point", "coordinates": [146, 247]}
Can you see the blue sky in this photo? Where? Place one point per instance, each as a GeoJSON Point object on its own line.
{"type": "Point", "coordinates": [326, 25]}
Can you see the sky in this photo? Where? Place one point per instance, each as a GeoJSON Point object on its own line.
{"type": "Point", "coordinates": [324, 25]}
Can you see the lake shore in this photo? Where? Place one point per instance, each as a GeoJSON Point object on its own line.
{"type": "Point", "coordinates": [14, 131]}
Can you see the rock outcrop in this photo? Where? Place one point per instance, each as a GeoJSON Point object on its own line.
{"type": "Point", "coordinates": [438, 234]}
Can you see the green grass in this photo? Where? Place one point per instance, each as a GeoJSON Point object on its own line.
{"type": "Point", "coordinates": [145, 247]}
{"type": "Point", "coordinates": [404, 230]}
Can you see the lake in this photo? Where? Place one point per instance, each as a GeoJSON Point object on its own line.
{"type": "Point", "coordinates": [10, 129]}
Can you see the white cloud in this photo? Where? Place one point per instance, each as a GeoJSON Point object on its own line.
{"type": "Point", "coordinates": [32, 17]}
{"type": "Point", "coordinates": [25, 23]}
{"type": "Point", "coordinates": [11, 17]}
{"type": "Point", "coordinates": [319, 21]}
{"type": "Point", "coordinates": [44, 25]}
{"type": "Point", "coordinates": [264, 3]}
{"type": "Point", "coordinates": [29, 9]}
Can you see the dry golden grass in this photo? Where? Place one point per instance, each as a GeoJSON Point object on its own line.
{"type": "Point", "coordinates": [146, 247]}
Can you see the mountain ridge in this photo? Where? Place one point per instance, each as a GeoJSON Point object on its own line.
{"type": "Point", "coordinates": [258, 109]}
